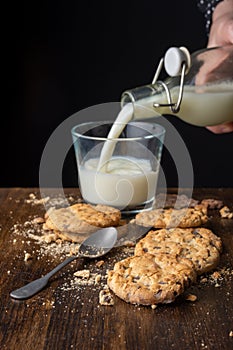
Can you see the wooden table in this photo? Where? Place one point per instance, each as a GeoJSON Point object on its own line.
{"type": "Point", "coordinates": [59, 318]}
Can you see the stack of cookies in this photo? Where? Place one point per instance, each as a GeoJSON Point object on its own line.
{"type": "Point", "coordinates": [168, 259]}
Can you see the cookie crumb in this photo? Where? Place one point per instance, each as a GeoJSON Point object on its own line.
{"type": "Point", "coordinates": [82, 274]}
{"type": "Point", "coordinates": [215, 275]}
{"type": "Point", "coordinates": [226, 213]}
{"type": "Point", "coordinates": [27, 256]}
{"type": "Point", "coordinates": [100, 263]}
{"type": "Point", "coordinates": [231, 334]}
{"type": "Point", "coordinates": [129, 243]}
{"type": "Point", "coordinates": [97, 279]}
{"type": "Point", "coordinates": [38, 220]}
{"type": "Point", "coordinates": [32, 196]}
{"type": "Point", "coordinates": [105, 297]}
{"type": "Point", "coordinates": [191, 297]}
{"type": "Point", "coordinates": [203, 280]}
{"type": "Point", "coordinates": [154, 306]}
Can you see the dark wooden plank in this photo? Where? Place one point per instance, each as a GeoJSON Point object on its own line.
{"type": "Point", "coordinates": [59, 318]}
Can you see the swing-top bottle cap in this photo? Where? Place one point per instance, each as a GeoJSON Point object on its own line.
{"type": "Point", "coordinates": [174, 58]}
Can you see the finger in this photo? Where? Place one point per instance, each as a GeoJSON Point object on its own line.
{"type": "Point", "coordinates": [221, 129]}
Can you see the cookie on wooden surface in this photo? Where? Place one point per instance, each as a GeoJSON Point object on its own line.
{"type": "Point", "coordinates": [164, 218]}
{"type": "Point", "coordinates": [150, 279]}
{"type": "Point", "coordinates": [72, 223]}
{"type": "Point", "coordinates": [199, 245]}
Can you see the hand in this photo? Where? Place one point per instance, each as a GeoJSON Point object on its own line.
{"type": "Point", "coordinates": [221, 33]}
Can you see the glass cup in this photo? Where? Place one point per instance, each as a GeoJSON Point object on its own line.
{"type": "Point", "coordinates": [120, 172]}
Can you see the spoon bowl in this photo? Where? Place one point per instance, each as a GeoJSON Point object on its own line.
{"type": "Point", "coordinates": [96, 245]}
{"type": "Point", "coordinates": [99, 243]}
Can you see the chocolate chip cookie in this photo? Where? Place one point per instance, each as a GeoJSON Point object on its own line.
{"type": "Point", "coordinates": [164, 218]}
{"type": "Point", "coordinates": [74, 222]}
{"type": "Point", "coordinates": [200, 245]}
{"type": "Point", "coordinates": [151, 279]}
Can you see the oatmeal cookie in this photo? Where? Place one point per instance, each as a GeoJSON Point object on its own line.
{"type": "Point", "coordinates": [200, 245]}
{"type": "Point", "coordinates": [72, 223]}
{"type": "Point", "coordinates": [151, 279]}
{"type": "Point", "coordinates": [165, 218]}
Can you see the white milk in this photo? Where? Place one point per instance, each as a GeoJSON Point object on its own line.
{"type": "Point", "coordinates": [123, 118]}
{"type": "Point", "coordinates": [127, 182]}
{"type": "Point", "coordinates": [201, 105]}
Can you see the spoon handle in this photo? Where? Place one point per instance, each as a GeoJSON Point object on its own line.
{"type": "Point", "coordinates": [35, 286]}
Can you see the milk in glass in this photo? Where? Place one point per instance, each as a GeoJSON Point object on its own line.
{"type": "Point", "coordinates": [125, 182]}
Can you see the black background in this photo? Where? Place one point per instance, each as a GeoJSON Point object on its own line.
{"type": "Point", "coordinates": [61, 57]}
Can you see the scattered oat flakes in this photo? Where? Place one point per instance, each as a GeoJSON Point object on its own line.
{"type": "Point", "coordinates": [226, 213]}
{"type": "Point", "coordinates": [77, 282]}
{"type": "Point", "coordinates": [105, 297]}
{"type": "Point", "coordinates": [34, 201]}
{"type": "Point", "coordinates": [217, 277]}
{"type": "Point", "coordinates": [231, 334]}
{"type": "Point", "coordinates": [154, 306]}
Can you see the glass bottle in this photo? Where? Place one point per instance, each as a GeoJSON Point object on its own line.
{"type": "Point", "coordinates": [199, 89]}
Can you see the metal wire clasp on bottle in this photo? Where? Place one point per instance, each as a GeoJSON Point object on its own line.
{"type": "Point", "coordinates": [174, 106]}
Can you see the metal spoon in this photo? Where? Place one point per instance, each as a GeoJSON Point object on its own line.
{"type": "Point", "coordinates": [98, 244]}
